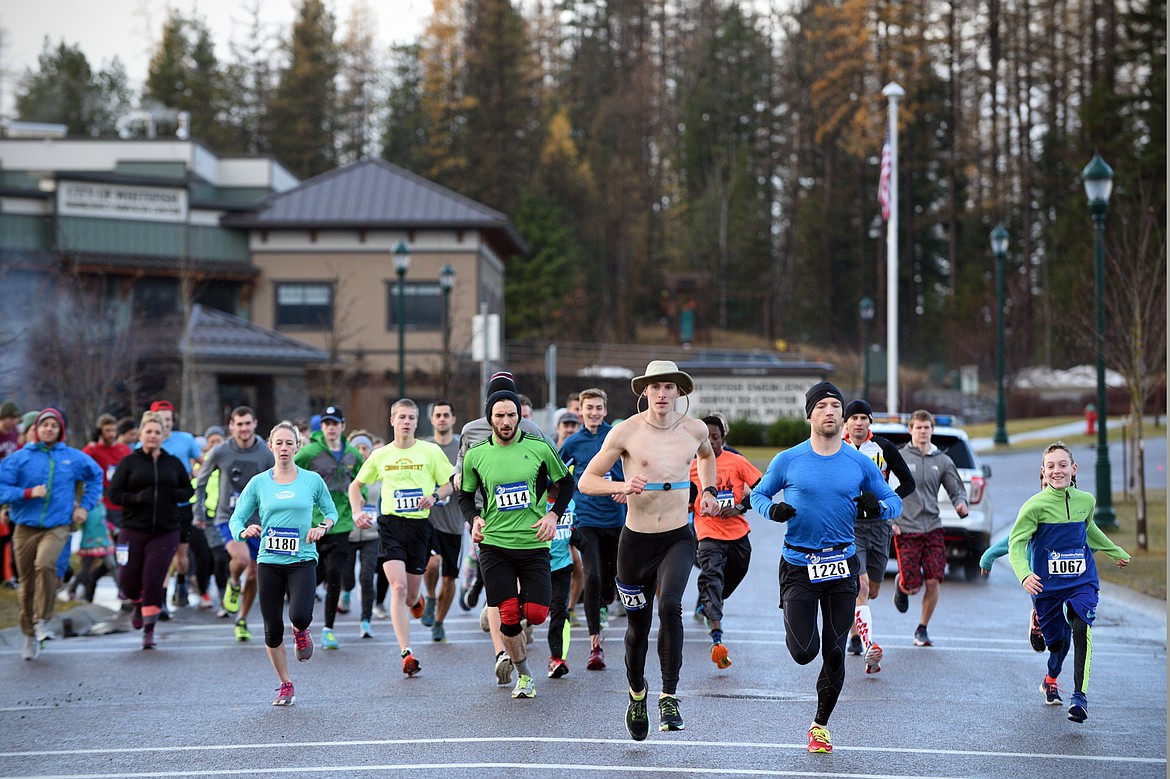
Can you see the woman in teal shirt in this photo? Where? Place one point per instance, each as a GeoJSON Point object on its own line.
{"type": "Point", "coordinates": [285, 496]}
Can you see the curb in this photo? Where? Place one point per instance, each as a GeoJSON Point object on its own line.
{"type": "Point", "coordinates": [1153, 609]}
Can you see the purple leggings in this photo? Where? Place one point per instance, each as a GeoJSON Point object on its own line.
{"type": "Point", "coordinates": [144, 576]}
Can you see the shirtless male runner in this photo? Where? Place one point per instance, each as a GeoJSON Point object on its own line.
{"type": "Point", "coordinates": [657, 546]}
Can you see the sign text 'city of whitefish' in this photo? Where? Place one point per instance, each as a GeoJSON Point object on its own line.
{"type": "Point", "coordinates": [755, 398]}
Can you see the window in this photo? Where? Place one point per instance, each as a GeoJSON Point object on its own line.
{"type": "Point", "coordinates": [304, 306]}
{"type": "Point", "coordinates": [423, 305]}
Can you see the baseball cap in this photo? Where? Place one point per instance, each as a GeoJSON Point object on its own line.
{"type": "Point", "coordinates": [333, 413]}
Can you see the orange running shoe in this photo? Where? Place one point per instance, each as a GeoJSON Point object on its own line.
{"type": "Point", "coordinates": [417, 609]}
{"type": "Point", "coordinates": [818, 740]}
{"type": "Point", "coordinates": [719, 656]}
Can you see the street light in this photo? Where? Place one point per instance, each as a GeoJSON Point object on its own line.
{"type": "Point", "coordinates": [867, 309]}
{"type": "Point", "coordinates": [446, 282]}
{"type": "Point", "coordinates": [999, 245]}
{"type": "Point", "coordinates": [401, 265]}
{"type": "Point", "coordinates": [1098, 179]}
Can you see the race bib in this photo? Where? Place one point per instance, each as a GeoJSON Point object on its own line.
{"type": "Point", "coordinates": [513, 497]}
{"type": "Point", "coordinates": [1070, 564]}
{"type": "Point", "coordinates": [122, 554]}
{"type": "Point", "coordinates": [407, 500]}
{"type": "Point", "coordinates": [827, 566]}
{"type": "Point", "coordinates": [110, 471]}
{"type": "Point", "coordinates": [726, 499]}
{"type": "Point", "coordinates": [632, 597]}
{"type": "Point", "coordinates": [282, 540]}
{"type": "Point", "coordinates": [233, 498]}
{"type": "Point", "coordinates": [370, 509]}
{"type": "Point", "coordinates": [565, 526]}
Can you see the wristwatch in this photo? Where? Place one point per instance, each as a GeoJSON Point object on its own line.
{"type": "Point", "coordinates": [714, 493]}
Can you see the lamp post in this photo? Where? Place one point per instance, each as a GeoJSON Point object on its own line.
{"type": "Point", "coordinates": [866, 308]}
{"type": "Point", "coordinates": [1098, 179]}
{"type": "Point", "coordinates": [446, 282]}
{"type": "Point", "coordinates": [401, 265]}
{"type": "Point", "coordinates": [999, 245]}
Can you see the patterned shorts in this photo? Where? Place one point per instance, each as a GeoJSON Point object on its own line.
{"type": "Point", "coordinates": [920, 556]}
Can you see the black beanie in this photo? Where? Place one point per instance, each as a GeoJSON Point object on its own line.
{"type": "Point", "coordinates": [858, 406]}
{"type": "Point", "coordinates": [501, 380]}
{"type": "Point", "coordinates": [819, 392]}
{"type": "Point", "coordinates": [497, 396]}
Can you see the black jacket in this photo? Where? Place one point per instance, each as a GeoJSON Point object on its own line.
{"type": "Point", "coordinates": [149, 490]}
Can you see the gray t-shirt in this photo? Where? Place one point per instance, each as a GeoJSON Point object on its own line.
{"type": "Point", "coordinates": [236, 468]}
{"type": "Point", "coordinates": [477, 430]}
{"type": "Point", "coordinates": [446, 516]}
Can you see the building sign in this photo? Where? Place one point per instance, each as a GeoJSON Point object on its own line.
{"type": "Point", "coordinates": [121, 201]}
{"type": "Point", "coordinates": [755, 398]}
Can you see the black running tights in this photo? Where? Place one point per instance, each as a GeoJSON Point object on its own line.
{"type": "Point", "coordinates": [804, 640]}
{"type": "Point", "coordinates": [274, 581]}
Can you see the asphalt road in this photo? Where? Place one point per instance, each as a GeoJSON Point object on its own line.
{"type": "Point", "coordinates": [967, 707]}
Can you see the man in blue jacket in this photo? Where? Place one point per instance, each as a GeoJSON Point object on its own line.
{"type": "Point", "coordinates": [40, 482]}
{"type": "Point", "coordinates": [600, 518]}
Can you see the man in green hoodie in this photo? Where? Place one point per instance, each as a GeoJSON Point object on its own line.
{"type": "Point", "coordinates": [337, 462]}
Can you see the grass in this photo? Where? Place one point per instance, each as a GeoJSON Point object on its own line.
{"type": "Point", "coordinates": [1016, 426]}
{"type": "Point", "coordinates": [1146, 571]}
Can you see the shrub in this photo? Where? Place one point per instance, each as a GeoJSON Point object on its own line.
{"type": "Point", "coordinates": [787, 431]}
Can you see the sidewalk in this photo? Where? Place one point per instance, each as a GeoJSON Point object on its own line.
{"type": "Point", "coordinates": [72, 619]}
{"type": "Point", "coordinates": [1045, 435]}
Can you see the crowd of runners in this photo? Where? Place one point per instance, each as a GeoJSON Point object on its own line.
{"type": "Point", "coordinates": [608, 518]}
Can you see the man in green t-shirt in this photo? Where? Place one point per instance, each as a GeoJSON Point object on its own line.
{"type": "Point", "coordinates": [415, 475]}
{"type": "Point", "coordinates": [512, 470]}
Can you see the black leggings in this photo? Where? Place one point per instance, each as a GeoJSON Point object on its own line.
{"type": "Point", "coordinates": [296, 580]}
{"type": "Point", "coordinates": [332, 551]}
{"type": "Point", "coordinates": [200, 554]}
{"type": "Point", "coordinates": [368, 575]}
{"type": "Point", "coordinates": [599, 555]}
{"type": "Point", "coordinates": [558, 611]}
{"type": "Point", "coordinates": [649, 563]}
{"type": "Point", "coordinates": [835, 601]}
{"type": "Point", "coordinates": [722, 566]}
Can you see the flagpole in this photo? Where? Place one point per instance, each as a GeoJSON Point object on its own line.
{"type": "Point", "coordinates": [892, 91]}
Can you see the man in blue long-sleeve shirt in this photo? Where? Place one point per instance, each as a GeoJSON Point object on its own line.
{"type": "Point", "coordinates": [827, 486]}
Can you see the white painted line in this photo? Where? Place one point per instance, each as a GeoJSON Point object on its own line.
{"type": "Point", "coordinates": [571, 740]}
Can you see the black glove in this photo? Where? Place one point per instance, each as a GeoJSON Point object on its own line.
{"type": "Point", "coordinates": [781, 512]}
{"type": "Point", "coordinates": [867, 505]}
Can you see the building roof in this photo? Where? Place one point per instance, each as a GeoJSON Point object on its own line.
{"type": "Point", "coordinates": [372, 194]}
{"type": "Point", "coordinates": [216, 336]}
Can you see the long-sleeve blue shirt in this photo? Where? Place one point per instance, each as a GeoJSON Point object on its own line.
{"type": "Point", "coordinates": [60, 468]}
{"type": "Point", "coordinates": [286, 512]}
{"type": "Point", "coordinates": [576, 452]}
{"type": "Point", "coordinates": [822, 489]}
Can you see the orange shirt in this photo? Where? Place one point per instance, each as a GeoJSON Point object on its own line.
{"type": "Point", "coordinates": [732, 473]}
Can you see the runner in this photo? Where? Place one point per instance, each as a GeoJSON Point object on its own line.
{"type": "Point", "coordinates": [872, 536]}
{"type": "Point", "coordinates": [826, 485]}
{"type": "Point", "coordinates": [724, 550]}
{"type": "Point", "coordinates": [511, 471]}
{"type": "Point", "coordinates": [415, 475]}
{"type": "Point", "coordinates": [561, 565]}
{"type": "Point", "coordinates": [285, 497]}
{"type": "Point", "coordinates": [447, 519]}
{"type": "Point", "coordinates": [1050, 548]}
{"type": "Point", "coordinates": [657, 546]}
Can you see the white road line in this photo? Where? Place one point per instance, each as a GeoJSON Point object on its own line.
{"type": "Point", "coordinates": [571, 740]}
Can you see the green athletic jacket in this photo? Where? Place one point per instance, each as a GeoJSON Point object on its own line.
{"type": "Point", "coordinates": [337, 473]}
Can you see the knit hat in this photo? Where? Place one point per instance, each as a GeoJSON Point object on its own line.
{"type": "Point", "coordinates": [128, 423]}
{"type": "Point", "coordinates": [858, 406]}
{"type": "Point", "coordinates": [51, 412]}
{"type": "Point", "coordinates": [358, 440]}
{"type": "Point", "coordinates": [214, 430]}
{"type": "Point", "coordinates": [9, 409]}
{"type": "Point", "coordinates": [819, 392]}
{"type": "Point", "coordinates": [501, 380]}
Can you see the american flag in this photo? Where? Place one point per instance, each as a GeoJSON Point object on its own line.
{"type": "Point", "coordinates": [884, 179]}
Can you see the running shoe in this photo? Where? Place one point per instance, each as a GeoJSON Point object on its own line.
{"type": "Point", "coordinates": [364, 629]}
{"type": "Point", "coordinates": [618, 609]}
{"type": "Point", "coordinates": [380, 612]}
{"type": "Point", "coordinates": [164, 614]}
{"type": "Point", "coordinates": [136, 617]}
{"type": "Point", "coordinates": [921, 638]}
{"type": "Point", "coordinates": [231, 598]}
{"type": "Point", "coordinates": [557, 668]}
{"type": "Point", "coordinates": [1035, 637]}
{"type": "Point", "coordinates": [32, 648]}
{"type": "Point", "coordinates": [343, 603]}
{"type": "Point", "coordinates": [700, 612]}
{"type": "Point", "coordinates": [719, 655]}
{"type": "Point", "coordinates": [669, 717]}
{"type": "Point", "coordinates": [528, 639]}
{"type": "Point", "coordinates": [901, 600]}
{"type": "Point", "coordinates": [148, 641]}
{"type": "Point", "coordinates": [205, 601]}
{"type": "Point", "coordinates": [596, 660]}
{"type": "Point", "coordinates": [1051, 693]}
{"type": "Point", "coordinates": [181, 599]}
{"type": "Point", "coordinates": [503, 669]}
{"type": "Point", "coordinates": [285, 695]}
{"type": "Point", "coordinates": [303, 640]}
{"type": "Point", "coordinates": [242, 632]}
{"type": "Point", "coordinates": [1079, 710]}
{"type": "Point", "coordinates": [42, 631]}
{"type": "Point", "coordinates": [818, 740]}
{"type": "Point", "coordinates": [410, 666]}
{"type": "Point", "coordinates": [328, 639]}
{"type": "Point", "coordinates": [873, 659]}
{"type": "Point", "coordinates": [417, 609]}
{"type": "Point", "coordinates": [428, 615]}
{"type": "Point", "coordinates": [603, 617]}
{"type": "Point", "coordinates": [525, 687]}
{"type": "Point", "coordinates": [438, 632]}
{"type": "Point", "coordinates": [484, 625]}
{"type": "Point", "coordinates": [855, 645]}
{"type": "Point", "coordinates": [637, 721]}
{"type": "Point", "coordinates": [574, 618]}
